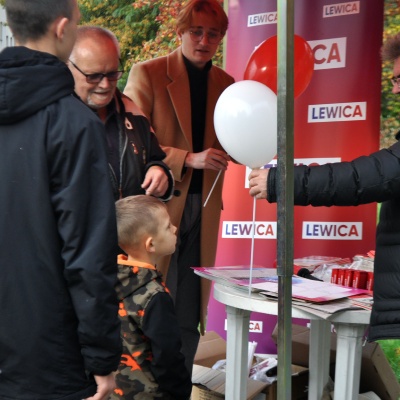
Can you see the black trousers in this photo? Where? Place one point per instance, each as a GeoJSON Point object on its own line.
{"type": "Point", "coordinates": [182, 282]}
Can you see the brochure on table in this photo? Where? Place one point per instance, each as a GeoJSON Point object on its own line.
{"type": "Point", "coordinates": [306, 293]}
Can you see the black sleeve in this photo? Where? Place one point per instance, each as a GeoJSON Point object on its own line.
{"type": "Point", "coordinates": [171, 181]}
{"type": "Point", "coordinates": [155, 154]}
{"type": "Point", "coordinates": [160, 325]}
{"type": "Point", "coordinates": [271, 186]}
{"type": "Point", "coordinates": [366, 179]}
{"type": "Point", "coordinates": [156, 157]}
{"type": "Point", "coordinates": [83, 202]}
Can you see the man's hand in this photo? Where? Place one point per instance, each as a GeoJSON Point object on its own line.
{"type": "Point", "coordinates": [208, 159]}
{"type": "Point", "coordinates": [258, 183]}
{"type": "Point", "coordinates": [155, 182]}
{"type": "Point", "coordinates": [105, 386]}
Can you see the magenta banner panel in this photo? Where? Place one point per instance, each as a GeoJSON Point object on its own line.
{"type": "Point", "coordinates": [336, 119]}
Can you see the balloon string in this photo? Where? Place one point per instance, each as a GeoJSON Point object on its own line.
{"type": "Point", "coordinates": [213, 186]}
{"type": "Point", "coordinates": [252, 245]}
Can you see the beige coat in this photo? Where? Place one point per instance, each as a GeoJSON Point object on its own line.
{"type": "Point", "coordinates": [160, 87]}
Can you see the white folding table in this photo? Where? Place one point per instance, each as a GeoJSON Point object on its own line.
{"type": "Point", "coordinates": [350, 326]}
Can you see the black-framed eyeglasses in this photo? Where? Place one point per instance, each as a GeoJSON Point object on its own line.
{"type": "Point", "coordinates": [98, 77]}
{"type": "Point", "coordinates": [212, 37]}
{"type": "Point", "coordinates": [395, 80]}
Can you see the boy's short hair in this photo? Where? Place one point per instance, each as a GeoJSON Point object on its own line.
{"type": "Point", "coordinates": [31, 19]}
{"type": "Point", "coordinates": [211, 7]}
{"type": "Point", "coordinates": [136, 217]}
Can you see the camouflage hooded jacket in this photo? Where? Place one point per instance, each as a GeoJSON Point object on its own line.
{"type": "Point", "coordinates": [152, 366]}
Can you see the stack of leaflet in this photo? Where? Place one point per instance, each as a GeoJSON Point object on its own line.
{"type": "Point", "coordinates": [319, 297]}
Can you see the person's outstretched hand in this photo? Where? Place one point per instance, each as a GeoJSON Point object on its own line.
{"type": "Point", "coordinates": [105, 386]}
{"type": "Point", "coordinates": [258, 183]}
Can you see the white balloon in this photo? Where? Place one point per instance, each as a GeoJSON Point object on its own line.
{"type": "Point", "coordinates": [245, 120]}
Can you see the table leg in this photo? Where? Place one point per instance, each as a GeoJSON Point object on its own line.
{"type": "Point", "coordinates": [319, 353]}
{"type": "Point", "coordinates": [237, 353]}
{"type": "Point", "coordinates": [348, 360]}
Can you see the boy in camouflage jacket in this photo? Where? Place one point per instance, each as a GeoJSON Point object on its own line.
{"type": "Point", "coordinates": [152, 365]}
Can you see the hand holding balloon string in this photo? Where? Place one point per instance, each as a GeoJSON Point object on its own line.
{"type": "Point", "coordinates": [208, 159]}
{"type": "Point", "coordinates": [211, 158]}
{"type": "Point", "coordinates": [258, 183]}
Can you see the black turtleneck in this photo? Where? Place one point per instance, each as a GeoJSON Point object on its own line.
{"type": "Point", "coordinates": [198, 101]}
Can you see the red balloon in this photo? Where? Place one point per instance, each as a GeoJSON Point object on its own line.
{"type": "Point", "coordinates": [263, 65]}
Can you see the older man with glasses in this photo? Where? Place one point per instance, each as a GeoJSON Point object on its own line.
{"type": "Point", "coordinates": [134, 155]}
{"type": "Point", "coordinates": [178, 93]}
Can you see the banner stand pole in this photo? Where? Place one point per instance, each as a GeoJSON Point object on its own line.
{"type": "Point", "coordinates": [285, 193]}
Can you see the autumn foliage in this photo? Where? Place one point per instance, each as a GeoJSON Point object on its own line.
{"type": "Point", "coordinates": [146, 29]}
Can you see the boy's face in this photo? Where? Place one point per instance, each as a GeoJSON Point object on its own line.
{"type": "Point", "coordinates": [164, 240]}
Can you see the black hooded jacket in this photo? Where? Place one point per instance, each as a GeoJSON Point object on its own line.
{"type": "Point", "coordinates": [58, 309]}
{"type": "Point", "coordinates": [367, 179]}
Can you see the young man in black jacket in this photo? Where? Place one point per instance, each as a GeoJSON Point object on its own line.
{"type": "Point", "coordinates": [59, 326]}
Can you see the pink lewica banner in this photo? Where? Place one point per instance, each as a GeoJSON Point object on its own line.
{"type": "Point", "coordinates": [336, 119]}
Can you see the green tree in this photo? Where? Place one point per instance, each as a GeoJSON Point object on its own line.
{"type": "Point", "coordinates": [390, 105]}
{"type": "Point", "coordinates": [133, 23]}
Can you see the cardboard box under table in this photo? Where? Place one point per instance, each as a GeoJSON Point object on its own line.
{"type": "Point", "coordinates": [376, 373]}
{"type": "Point", "coordinates": [209, 384]}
